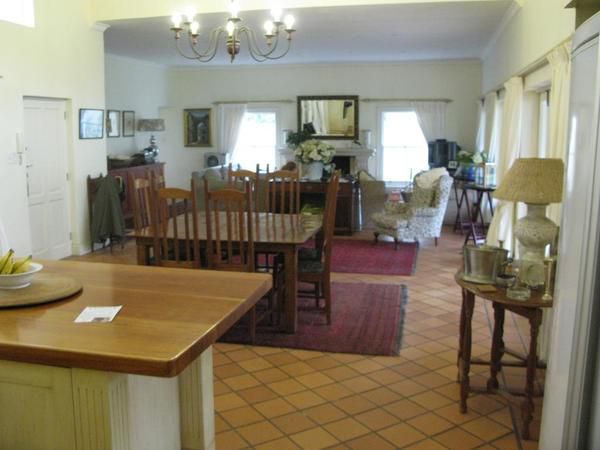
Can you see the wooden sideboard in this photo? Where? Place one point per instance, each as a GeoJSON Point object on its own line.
{"type": "Point", "coordinates": [347, 198]}
{"type": "Point", "coordinates": [126, 173]}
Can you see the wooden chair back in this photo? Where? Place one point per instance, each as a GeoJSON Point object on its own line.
{"type": "Point", "coordinates": [229, 229]}
{"type": "Point", "coordinates": [329, 219]}
{"type": "Point", "coordinates": [175, 226]}
{"type": "Point", "coordinates": [282, 191]}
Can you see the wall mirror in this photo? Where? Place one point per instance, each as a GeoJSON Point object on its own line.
{"type": "Point", "coordinates": [329, 116]}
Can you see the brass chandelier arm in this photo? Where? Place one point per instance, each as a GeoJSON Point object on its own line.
{"type": "Point", "coordinates": [255, 51]}
{"type": "Point", "coordinates": [211, 49]}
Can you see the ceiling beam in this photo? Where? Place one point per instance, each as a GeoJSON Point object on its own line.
{"type": "Point", "coordinates": [105, 10]}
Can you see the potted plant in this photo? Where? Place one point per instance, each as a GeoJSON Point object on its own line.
{"type": "Point", "coordinates": [468, 162]}
{"type": "Point", "coordinates": [315, 156]}
{"type": "Point", "coordinates": [295, 138]}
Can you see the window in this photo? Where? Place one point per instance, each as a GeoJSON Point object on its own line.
{"type": "Point", "coordinates": [18, 11]}
{"type": "Point", "coordinates": [257, 142]}
{"type": "Point", "coordinates": [404, 148]}
{"type": "Point", "coordinates": [543, 125]}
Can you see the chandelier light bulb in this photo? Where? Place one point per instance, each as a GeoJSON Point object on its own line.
{"type": "Point", "coordinates": [276, 13]}
{"type": "Point", "coordinates": [190, 13]}
{"type": "Point", "coordinates": [269, 28]}
{"type": "Point", "coordinates": [230, 27]}
{"type": "Point", "coordinates": [289, 21]}
{"type": "Point", "coordinates": [234, 9]}
{"type": "Point", "coordinates": [194, 27]}
{"type": "Point", "coordinates": [176, 20]}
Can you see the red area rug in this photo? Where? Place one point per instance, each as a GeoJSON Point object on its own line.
{"type": "Point", "coordinates": [366, 319]}
{"type": "Point", "coordinates": [360, 256]}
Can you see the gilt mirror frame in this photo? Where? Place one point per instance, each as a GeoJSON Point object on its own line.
{"type": "Point", "coordinates": [353, 135]}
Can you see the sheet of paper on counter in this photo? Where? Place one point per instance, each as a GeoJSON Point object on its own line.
{"type": "Point", "coordinates": [98, 314]}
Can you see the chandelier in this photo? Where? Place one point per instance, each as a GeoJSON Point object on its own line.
{"type": "Point", "coordinates": [234, 30]}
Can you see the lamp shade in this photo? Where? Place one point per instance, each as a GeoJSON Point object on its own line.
{"type": "Point", "coordinates": [533, 180]}
{"type": "Point", "coordinates": [151, 125]}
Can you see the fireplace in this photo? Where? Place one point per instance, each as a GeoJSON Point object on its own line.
{"type": "Point", "coordinates": [348, 159]}
{"type": "Point", "coordinates": [344, 163]}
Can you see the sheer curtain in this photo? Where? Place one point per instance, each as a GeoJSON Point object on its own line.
{"type": "Point", "coordinates": [481, 117]}
{"type": "Point", "coordinates": [493, 107]}
{"type": "Point", "coordinates": [232, 116]}
{"type": "Point", "coordinates": [432, 119]}
{"type": "Point", "coordinates": [509, 148]}
{"type": "Point", "coordinates": [316, 112]}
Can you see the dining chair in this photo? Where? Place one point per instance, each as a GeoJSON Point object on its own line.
{"type": "Point", "coordinates": [140, 197]}
{"type": "Point", "coordinates": [230, 238]}
{"type": "Point", "coordinates": [282, 191]}
{"type": "Point", "coordinates": [317, 269]}
{"type": "Point", "coordinates": [175, 227]}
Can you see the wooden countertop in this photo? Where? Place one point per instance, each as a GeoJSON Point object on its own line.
{"type": "Point", "coordinates": [169, 317]}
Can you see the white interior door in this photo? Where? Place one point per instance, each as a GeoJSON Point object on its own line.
{"type": "Point", "coordinates": [45, 142]}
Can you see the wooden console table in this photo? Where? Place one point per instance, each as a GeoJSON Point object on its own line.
{"type": "Point", "coordinates": [530, 309]}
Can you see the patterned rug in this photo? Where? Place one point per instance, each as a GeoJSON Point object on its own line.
{"type": "Point", "coordinates": [367, 319]}
{"type": "Point", "coordinates": [360, 256]}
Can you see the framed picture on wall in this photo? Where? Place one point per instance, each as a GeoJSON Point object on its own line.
{"type": "Point", "coordinates": [128, 123]}
{"type": "Point", "coordinates": [113, 123]}
{"type": "Point", "coordinates": [196, 123]}
{"type": "Point", "coordinates": [91, 123]}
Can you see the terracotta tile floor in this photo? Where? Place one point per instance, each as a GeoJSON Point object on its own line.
{"type": "Point", "coordinates": [269, 398]}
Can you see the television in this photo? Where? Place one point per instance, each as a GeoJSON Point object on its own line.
{"type": "Point", "coordinates": [442, 153]}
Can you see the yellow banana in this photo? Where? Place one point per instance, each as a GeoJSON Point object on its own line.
{"type": "Point", "coordinates": [21, 265]}
{"type": "Point", "coordinates": [7, 269]}
{"type": "Point", "coordinates": [7, 256]}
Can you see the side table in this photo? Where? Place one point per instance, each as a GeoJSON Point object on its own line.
{"type": "Point", "coordinates": [478, 226]}
{"type": "Point", "coordinates": [530, 309]}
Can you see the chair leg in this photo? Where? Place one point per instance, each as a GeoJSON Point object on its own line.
{"type": "Point", "coordinates": [395, 243]}
{"type": "Point", "coordinates": [436, 241]}
{"type": "Point", "coordinates": [252, 324]}
{"type": "Point", "coordinates": [327, 295]}
{"type": "Point", "coordinates": [376, 236]}
{"type": "Point", "coordinates": [317, 294]}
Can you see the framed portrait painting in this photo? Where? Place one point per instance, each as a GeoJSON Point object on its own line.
{"type": "Point", "coordinates": [128, 123]}
{"type": "Point", "coordinates": [113, 123]}
{"type": "Point", "coordinates": [91, 123]}
{"type": "Point", "coordinates": [196, 127]}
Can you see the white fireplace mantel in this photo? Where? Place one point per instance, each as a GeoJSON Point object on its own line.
{"type": "Point", "coordinates": [360, 156]}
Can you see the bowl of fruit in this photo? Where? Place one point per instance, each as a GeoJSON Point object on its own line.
{"type": "Point", "coordinates": [17, 273]}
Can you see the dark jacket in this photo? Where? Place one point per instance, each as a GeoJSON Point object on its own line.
{"type": "Point", "coordinates": [107, 215]}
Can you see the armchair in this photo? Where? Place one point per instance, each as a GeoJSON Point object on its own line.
{"type": "Point", "coordinates": [422, 216]}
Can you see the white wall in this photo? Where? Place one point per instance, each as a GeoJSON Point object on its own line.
{"type": "Point", "coordinates": [62, 57]}
{"type": "Point", "coordinates": [133, 85]}
{"type": "Point", "coordinates": [536, 28]}
{"type": "Point", "coordinates": [199, 88]}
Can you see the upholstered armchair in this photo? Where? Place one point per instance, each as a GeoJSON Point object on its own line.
{"type": "Point", "coordinates": [422, 216]}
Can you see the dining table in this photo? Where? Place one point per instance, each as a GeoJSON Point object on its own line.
{"type": "Point", "coordinates": [141, 381]}
{"type": "Point", "coordinates": [273, 233]}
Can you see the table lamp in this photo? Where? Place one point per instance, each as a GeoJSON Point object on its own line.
{"type": "Point", "coordinates": [536, 182]}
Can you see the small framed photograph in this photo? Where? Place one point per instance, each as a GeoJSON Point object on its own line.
{"type": "Point", "coordinates": [196, 128]}
{"type": "Point", "coordinates": [113, 123]}
{"type": "Point", "coordinates": [128, 123]}
{"type": "Point", "coordinates": [91, 123]}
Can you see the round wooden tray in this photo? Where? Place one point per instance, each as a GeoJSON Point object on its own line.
{"type": "Point", "coordinates": [43, 289]}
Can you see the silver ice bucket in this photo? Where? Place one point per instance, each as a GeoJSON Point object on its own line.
{"type": "Point", "coordinates": [483, 264]}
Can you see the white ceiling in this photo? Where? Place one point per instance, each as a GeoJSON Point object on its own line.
{"type": "Point", "coordinates": [402, 32]}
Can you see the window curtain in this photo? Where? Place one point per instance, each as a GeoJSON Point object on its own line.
{"type": "Point", "coordinates": [560, 66]}
{"type": "Point", "coordinates": [232, 116]}
{"type": "Point", "coordinates": [493, 107]}
{"type": "Point", "coordinates": [509, 148]}
{"type": "Point", "coordinates": [481, 117]}
{"type": "Point", "coordinates": [432, 119]}
{"type": "Point", "coordinates": [316, 112]}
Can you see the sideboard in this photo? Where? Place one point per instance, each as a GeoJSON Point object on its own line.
{"type": "Point", "coordinates": [126, 173]}
{"type": "Point", "coordinates": [345, 216]}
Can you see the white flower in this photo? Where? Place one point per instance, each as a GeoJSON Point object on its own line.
{"type": "Point", "coordinates": [313, 150]}
{"type": "Point", "coordinates": [477, 158]}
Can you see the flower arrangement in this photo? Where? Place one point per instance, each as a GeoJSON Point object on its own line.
{"type": "Point", "coordinates": [294, 139]}
{"type": "Point", "coordinates": [314, 150]}
{"type": "Point", "coordinates": [465, 157]}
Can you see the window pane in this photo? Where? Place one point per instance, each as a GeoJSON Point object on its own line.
{"type": "Point", "coordinates": [18, 11]}
{"type": "Point", "coordinates": [257, 141]}
{"type": "Point", "coordinates": [405, 150]}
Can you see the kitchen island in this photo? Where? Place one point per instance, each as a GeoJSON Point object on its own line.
{"type": "Point", "coordinates": [141, 382]}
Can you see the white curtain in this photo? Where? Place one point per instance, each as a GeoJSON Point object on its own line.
{"type": "Point", "coordinates": [317, 113]}
{"type": "Point", "coordinates": [4, 245]}
{"type": "Point", "coordinates": [493, 107]}
{"type": "Point", "coordinates": [560, 66]}
{"type": "Point", "coordinates": [232, 116]}
{"type": "Point", "coordinates": [432, 119]}
{"type": "Point", "coordinates": [509, 148]}
{"type": "Point", "coordinates": [481, 118]}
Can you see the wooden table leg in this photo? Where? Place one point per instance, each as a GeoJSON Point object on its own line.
{"type": "Point", "coordinates": [143, 253]}
{"type": "Point", "coordinates": [465, 368]}
{"type": "Point", "coordinates": [527, 408]}
{"type": "Point", "coordinates": [497, 346]}
{"type": "Point", "coordinates": [291, 289]}
{"type": "Point", "coordinates": [461, 333]}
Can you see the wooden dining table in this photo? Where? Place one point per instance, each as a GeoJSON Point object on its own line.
{"type": "Point", "coordinates": [273, 233]}
{"type": "Point", "coordinates": [143, 381]}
